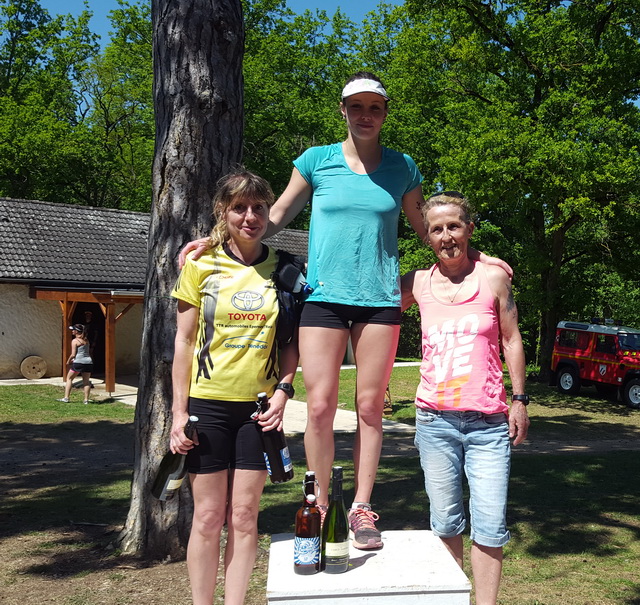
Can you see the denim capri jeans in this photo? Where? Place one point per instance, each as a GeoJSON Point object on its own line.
{"type": "Point", "coordinates": [477, 444]}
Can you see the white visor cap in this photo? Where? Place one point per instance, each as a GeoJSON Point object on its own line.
{"type": "Point", "coordinates": [364, 85]}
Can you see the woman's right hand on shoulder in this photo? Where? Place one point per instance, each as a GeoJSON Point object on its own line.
{"type": "Point", "coordinates": [198, 246]}
{"type": "Point", "coordinates": [180, 443]}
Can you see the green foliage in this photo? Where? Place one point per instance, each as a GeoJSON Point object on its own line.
{"type": "Point", "coordinates": [294, 68]}
{"type": "Point", "coordinates": [530, 109]}
{"type": "Point", "coordinates": [539, 128]}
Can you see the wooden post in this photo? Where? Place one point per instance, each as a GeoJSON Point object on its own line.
{"type": "Point", "coordinates": [110, 348]}
{"type": "Point", "coordinates": [68, 309]}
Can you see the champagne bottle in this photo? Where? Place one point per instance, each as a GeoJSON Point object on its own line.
{"type": "Point", "coordinates": [335, 532]}
{"type": "Point", "coordinates": [274, 446]}
{"type": "Point", "coordinates": [173, 468]}
{"type": "Point", "coordinates": [306, 545]}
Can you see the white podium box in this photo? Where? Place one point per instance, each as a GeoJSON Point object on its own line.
{"type": "Point", "coordinates": [413, 567]}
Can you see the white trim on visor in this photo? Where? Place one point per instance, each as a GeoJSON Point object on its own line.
{"type": "Point", "coordinates": [364, 85]}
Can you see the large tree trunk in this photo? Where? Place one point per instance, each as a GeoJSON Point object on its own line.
{"type": "Point", "coordinates": [198, 47]}
{"type": "Point", "coordinates": [552, 287]}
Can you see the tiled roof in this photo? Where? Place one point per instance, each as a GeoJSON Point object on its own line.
{"type": "Point", "coordinates": [291, 240]}
{"type": "Point", "coordinates": [44, 242]}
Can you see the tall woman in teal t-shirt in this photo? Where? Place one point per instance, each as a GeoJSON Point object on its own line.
{"type": "Point", "coordinates": [357, 189]}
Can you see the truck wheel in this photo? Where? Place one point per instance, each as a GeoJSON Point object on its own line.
{"type": "Point", "coordinates": [568, 381]}
{"type": "Point", "coordinates": [631, 393]}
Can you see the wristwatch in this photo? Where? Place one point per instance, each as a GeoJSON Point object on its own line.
{"type": "Point", "coordinates": [524, 399]}
{"type": "Point", "coordinates": [287, 387]}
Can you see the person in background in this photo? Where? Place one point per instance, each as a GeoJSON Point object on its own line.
{"type": "Point", "coordinates": [358, 188]}
{"type": "Point", "coordinates": [80, 362]}
{"type": "Point", "coordinates": [92, 331]}
{"type": "Point", "coordinates": [463, 422]}
{"type": "Point", "coordinates": [226, 352]}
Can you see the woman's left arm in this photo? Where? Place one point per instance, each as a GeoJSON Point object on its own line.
{"type": "Point", "coordinates": [272, 419]}
{"type": "Point", "coordinates": [512, 349]}
{"type": "Point", "coordinates": [411, 205]}
{"type": "Point", "coordinates": [186, 327]}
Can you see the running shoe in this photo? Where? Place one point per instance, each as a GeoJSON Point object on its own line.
{"type": "Point", "coordinates": [365, 534]}
{"type": "Point", "coordinates": [64, 400]}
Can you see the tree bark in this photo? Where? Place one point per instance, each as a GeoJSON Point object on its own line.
{"type": "Point", "coordinates": [198, 49]}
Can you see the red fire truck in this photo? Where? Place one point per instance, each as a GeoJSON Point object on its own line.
{"type": "Point", "coordinates": [605, 355]}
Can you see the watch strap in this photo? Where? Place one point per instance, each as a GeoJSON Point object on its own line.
{"type": "Point", "coordinates": [287, 387]}
{"type": "Point", "coordinates": [524, 399]}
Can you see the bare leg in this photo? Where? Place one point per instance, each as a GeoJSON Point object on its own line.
{"type": "Point", "coordinates": [69, 384]}
{"type": "Point", "coordinates": [374, 346]}
{"type": "Point", "coordinates": [245, 489]}
{"type": "Point", "coordinates": [203, 551]}
{"type": "Point", "coordinates": [321, 353]}
{"type": "Point", "coordinates": [456, 547]}
{"type": "Point", "coordinates": [86, 385]}
{"type": "Point", "coordinates": [486, 563]}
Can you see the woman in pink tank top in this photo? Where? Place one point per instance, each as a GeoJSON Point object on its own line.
{"type": "Point", "coordinates": [463, 422]}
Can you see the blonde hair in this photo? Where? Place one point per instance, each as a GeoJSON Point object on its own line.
{"type": "Point", "coordinates": [237, 184]}
{"type": "Point", "coordinates": [447, 198]}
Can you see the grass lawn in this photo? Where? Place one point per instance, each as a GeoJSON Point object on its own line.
{"type": "Point", "coordinates": [574, 518]}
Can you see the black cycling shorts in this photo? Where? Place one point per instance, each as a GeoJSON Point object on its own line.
{"type": "Point", "coordinates": [228, 437]}
{"type": "Point", "coordinates": [335, 315]}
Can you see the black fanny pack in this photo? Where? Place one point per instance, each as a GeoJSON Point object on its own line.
{"type": "Point", "coordinates": [292, 291]}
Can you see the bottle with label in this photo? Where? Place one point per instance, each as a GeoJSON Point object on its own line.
{"type": "Point", "coordinates": [274, 446]}
{"type": "Point", "coordinates": [173, 468]}
{"type": "Point", "coordinates": [335, 531]}
{"type": "Point", "coordinates": [306, 545]}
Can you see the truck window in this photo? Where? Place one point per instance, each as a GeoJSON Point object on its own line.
{"type": "Point", "coordinates": [573, 340]}
{"type": "Point", "coordinates": [606, 343]}
{"type": "Point", "coordinates": [630, 342]}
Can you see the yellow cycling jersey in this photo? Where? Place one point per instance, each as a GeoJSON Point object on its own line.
{"type": "Point", "coordinates": [236, 353]}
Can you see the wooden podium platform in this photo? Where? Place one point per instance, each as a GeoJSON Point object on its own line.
{"type": "Point", "coordinates": [412, 568]}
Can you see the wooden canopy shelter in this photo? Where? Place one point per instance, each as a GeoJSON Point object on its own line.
{"type": "Point", "coordinates": [106, 300]}
{"type": "Point", "coordinates": [76, 255]}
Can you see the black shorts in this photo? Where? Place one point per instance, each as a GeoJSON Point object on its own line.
{"type": "Point", "coordinates": [228, 437]}
{"type": "Point", "coordinates": [335, 315]}
{"type": "Point", "coordinates": [82, 368]}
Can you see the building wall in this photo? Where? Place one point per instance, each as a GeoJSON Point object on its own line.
{"type": "Point", "coordinates": [128, 339]}
{"type": "Point", "coordinates": [33, 327]}
{"type": "Point", "coordinates": [28, 327]}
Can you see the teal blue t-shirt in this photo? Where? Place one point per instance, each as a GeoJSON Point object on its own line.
{"type": "Point", "coordinates": [353, 235]}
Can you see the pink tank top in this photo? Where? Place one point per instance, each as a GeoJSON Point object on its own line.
{"type": "Point", "coordinates": [461, 367]}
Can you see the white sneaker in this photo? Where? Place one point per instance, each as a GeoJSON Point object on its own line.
{"type": "Point", "coordinates": [86, 402]}
{"type": "Point", "coordinates": [64, 400]}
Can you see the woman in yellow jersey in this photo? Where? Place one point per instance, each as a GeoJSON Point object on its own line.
{"type": "Point", "coordinates": [226, 352]}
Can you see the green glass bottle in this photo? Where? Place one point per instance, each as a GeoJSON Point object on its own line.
{"type": "Point", "coordinates": [335, 531]}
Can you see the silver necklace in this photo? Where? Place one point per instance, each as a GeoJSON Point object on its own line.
{"type": "Point", "coordinates": [445, 283]}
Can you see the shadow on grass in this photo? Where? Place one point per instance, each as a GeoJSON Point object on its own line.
{"type": "Point", "coordinates": [57, 477]}
{"type": "Point", "coordinates": [57, 474]}
{"type": "Point", "coordinates": [571, 503]}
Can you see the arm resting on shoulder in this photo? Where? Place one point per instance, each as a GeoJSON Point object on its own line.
{"type": "Point", "coordinates": [490, 260]}
{"type": "Point", "coordinates": [198, 246]}
{"type": "Point", "coordinates": [412, 206]}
